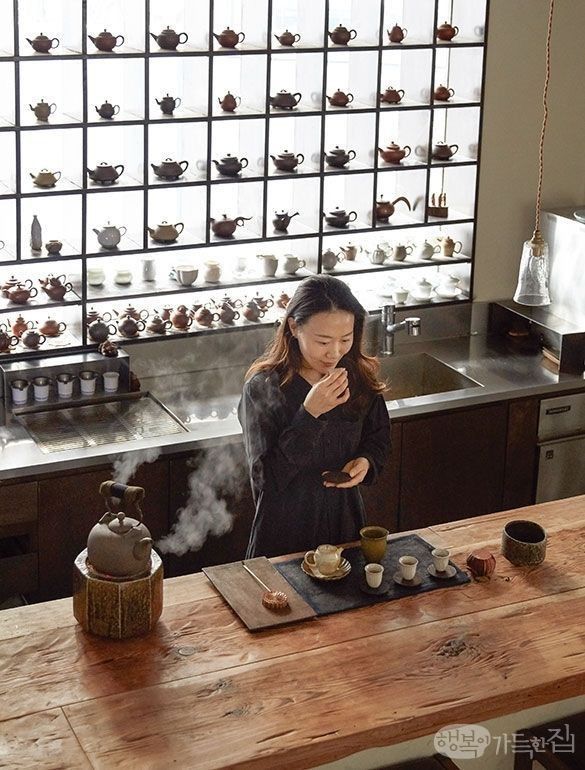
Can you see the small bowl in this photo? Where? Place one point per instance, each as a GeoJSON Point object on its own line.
{"type": "Point", "coordinates": [524, 542]}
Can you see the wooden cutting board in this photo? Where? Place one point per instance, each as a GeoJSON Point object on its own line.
{"type": "Point", "coordinates": [244, 594]}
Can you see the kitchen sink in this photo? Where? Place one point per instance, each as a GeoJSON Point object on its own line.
{"type": "Point", "coordinates": [420, 374]}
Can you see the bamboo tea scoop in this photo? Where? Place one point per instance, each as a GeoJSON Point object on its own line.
{"type": "Point", "coordinates": [272, 600]}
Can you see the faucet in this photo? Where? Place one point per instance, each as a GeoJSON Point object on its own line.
{"type": "Point", "coordinates": [390, 327]}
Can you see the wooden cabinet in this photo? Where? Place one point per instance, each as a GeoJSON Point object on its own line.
{"type": "Point", "coordinates": [521, 453]}
{"type": "Point", "coordinates": [69, 507]}
{"type": "Point", "coordinates": [210, 491]}
{"type": "Point", "coordinates": [18, 539]}
{"type": "Point", "coordinates": [452, 465]}
{"type": "Point", "coordinates": [381, 499]}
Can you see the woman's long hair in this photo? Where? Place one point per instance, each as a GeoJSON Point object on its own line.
{"type": "Point", "coordinates": [322, 294]}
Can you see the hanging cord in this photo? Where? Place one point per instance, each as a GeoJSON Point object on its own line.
{"type": "Point", "coordinates": [544, 121]}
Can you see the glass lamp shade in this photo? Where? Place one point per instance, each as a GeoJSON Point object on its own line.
{"type": "Point", "coordinates": [532, 286]}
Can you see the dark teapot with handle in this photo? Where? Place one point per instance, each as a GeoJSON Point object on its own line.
{"type": "Point", "coordinates": [180, 317]}
{"type": "Point", "coordinates": [32, 339]}
{"type": "Point", "coordinates": [396, 34]}
{"type": "Point", "coordinates": [385, 209]}
{"type": "Point", "coordinates": [285, 100]}
{"type": "Point", "coordinates": [93, 315]}
{"type": "Point", "coordinates": [168, 39]}
{"type": "Point", "coordinates": [52, 328]}
{"type": "Point", "coordinates": [54, 287]}
{"type": "Point", "coordinates": [229, 102]}
{"type": "Point", "coordinates": [392, 95]}
{"type": "Point", "coordinates": [287, 38]}
{"type": "Point", "coordinates": [104, 173]}
{"type": "Point", "coordinates": [338, 157]}
{"type": "Point", "coordinates": [444, 151]}
{"type": "Point", "coordinates": [230, 165]}
{"type": "Point", "coordinates": [228, 38]}
{"type": "Point", "coordinates": [99, 330]}
{"type": "Point", "coordinates": [106, 42]}
{"type": "Point", "coordinates": [252, 312]}
{"type": "Point", "coordinates": [394, 153]}
{"type": "Point", "coordinates": [282, 220]}
{"type": "Point", "coordinates": [43, 44]}
{"type": "Point", "coordinates": [340, 99]}
{"type": "Point", "coordinates": [204, 317]}
{"type": "Point", "coordinates": [341, 35]}
{"type": "Point", "coordinates": [13, 281]}
{"type": "Point", "coordinates": [446, 32]}
{"type": "Point", "coordinates": [158, 326]}
{"type": "Point", "coordinates": [339, 217]}
{"type": "Point", "coordinates": [128, 327]}
{"type": "Point", "coordinates": [107, 110]}
{"type": "Point", "coordinates": [7, 341]}
{"type": "Point", "coordinates": [170, 169]}
{"type": "Point", "coordinates": [168, 104]}
{"type": "Point", "coordinates": [42, 110]}
{"type": "Point", "coordinates": [287, 161]}
{"type": "Point", "coordinates": [442, 93]}
{"type": "Point", "coordinates": [21, 294]}
{"type": "Point", "coordinates": [225, 227]}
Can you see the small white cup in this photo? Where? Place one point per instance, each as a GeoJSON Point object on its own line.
{"type": "Point", "coordinates": [111, 381]}
{"type": "Point", "coordinates": [87, 382]}
{"type": "Point", "coordinates": [374, 574]}
{"type": "Point", "coordinates": [400, 295]}
{"type": "Point", "coordinates": [408, 565]}
{"type": "Point", "coordinates": [41, 388]}
{"type": "Point", "coordinates": [19, 391]}
{"type": "Point", "coordinates": [440, 558]}
{"type": "Point", "coordinates": [65, 385]}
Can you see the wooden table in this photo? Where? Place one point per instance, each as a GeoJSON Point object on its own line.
{"type": "Point", "coordinates": [203, 692]}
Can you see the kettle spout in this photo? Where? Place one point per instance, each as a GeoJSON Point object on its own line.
{"type": "Point", "coordinates": [96, 231]}
{"type": "Point", "coordinates": [28, 40]}
{"type": "Point", "coordinates": [153, 36]}
{"type": "Point", "coordinates": [92, 39]}
{"type": "Point", "coordinates": [155, 168]}
{"type": "Point", "coordinates": [150, 230]}
{"type": "Point", "coordinates": [212, 220]}
{"type": "Point", "coordinates": [90, 173]}
{"type": "Point", "coordinates": [32, 108]}
{"type": "Point", "coordinates": [33, 176]}
{"type": "Point", "coordinates": [215, 36]}
{"type": "Point", "coordinates": [142, 549]}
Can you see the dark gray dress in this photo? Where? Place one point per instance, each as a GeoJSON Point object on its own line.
{"type": "Point", "coordinates": [288, 449]}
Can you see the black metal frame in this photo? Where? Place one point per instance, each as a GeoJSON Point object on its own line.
{"type": "Point", "coordinates": [320, 235]}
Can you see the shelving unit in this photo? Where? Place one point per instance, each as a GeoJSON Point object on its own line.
{"type": "Point", "coordinates": [77, 78]}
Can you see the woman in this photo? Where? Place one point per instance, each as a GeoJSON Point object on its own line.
{"type": "Point", "coordinates": [312, 403]}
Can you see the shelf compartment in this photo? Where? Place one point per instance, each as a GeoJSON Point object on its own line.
{"type": "Point", "coordinates": [125, 208]}
{"type": "Point", "coordinates": [299, 72]}
{"type": "Point", "coordinates": [241, 140]}
{"type": "Point", "coordinates": [247, 16]}
{"type": "Point", "coordinates": [355, 74]}
{"type": "Point", "coordinates": [59, 18]}
{"type": "Point", "coordinates": [294, 195]}
{"type": "Point", "coordinates": [243, 77]}
{"type": "Point", "coordinates": [60, 219]}
{"type": "Point", "coordinates": [183, 78]}
{"type": "Point", "coordinates": [59, 83]}
{"type": "Point", "coordinates": [416, 16]}
{"type": "Point", "coordinates": [119, 82]}
{"type": "Point", "coordinates": [55, 149]}
{"type": "Point", "coordinates": [410, 71]}
{"type": "Point", "coordinates": [351, 132]}
{"type": "Point", "coordinates": [7, 164]}
{"type": "Point", "coordinates": [407, 128]}
{"type": "Point", "coordinates": [301, 135]}
{"type": "Point", "coordinates": [305, 17]}
{"type": "Point", "coordinates": [187, 205]}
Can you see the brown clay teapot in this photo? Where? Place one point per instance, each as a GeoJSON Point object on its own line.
{"type": "Point", "coordinates": [287, 161]}
{"type": "Point", "coordinates": [52, 328]}
{"type": "Point", "coordinates": [165, 232]}
{"type": "Point", "coordinates": [131, 312]}
{"type": "Point", "coordinates": [170, 169]}
{"type": "Point", "coordinates": [204, 317]}
{"type": "Point", "coordinates": [119, 545]}
{"type": "Point", "coordinates": [7, 341]}
{"type": "Point", "coordinates": [341, 35]}
{"type": "Point", "coordinates": [13, 281]}
{"type": "Point", "coordinates": [392, 95]}
{"type": "Point", "coordinates": [54, 287]}
{"type": "Point", "coordinates": [446, 32]}
{"type": "Point", "coordinates": [252, 312]}
{"type": "Point", "coordinates": [32, 339]}
{"type": "Point", "coordinates": [263, 302]}
{"type": "Point", "coordinates": [229, 102]}
{"type": "Point", "coordinates": [228, 314]}
{"type": "Point", "coordinates": [339, 217]}
{"type": "Point", "coordinates": [45, 178]}
{"type": "Point", "coordinates": [158, 326]}
{"type": "Point", "coordinates": [230, 165]}
{"type": "Point", "coordinates": [93, 315]}
{"type": "Point", "coordinates": [99, 330]}
{"type": "Point", "coordinates": [105, 41]}
{"type": "Point", "coordinates": [20, 326]}
{"type": "Point", "coordinates": [104, 173]}
{"type": "Point", "coordinates": [228, 38]}
{"type": "Point", "coordinates": [282, 220]}
{"type": "Point", "coordinates": [396, 34]}
{"type": "Point", "coordinates": [338, 157]}
{"type": "Point", "coordinates": [225, 227]}
{"type": "Point", "coordinates": [282, 300]}
{"type": "Point", "coordinates": [180, 318]}
{"type": "Point", "coordinates": [287, 38]}
{"type": "Point", "coordinates": [107, 110]}
{"type": "Point", "coordinates": [129, 327]}
{"type": "Point", "coordinates": [385, 209]}
{"type": "Point", "coordinates": [394, 153]}
{"type": "Point", "coordinates": [340, 99]}
{"type": "Point", "coordinates": [42, 110]}
{"type": "Point", "coordinates": [20, 294]}
{"type": "Point", "coordinates": [442, 93]}
{"type": "Point", "coordinates": [285, 100]}
{"type": "Point", "coordinates": [168, 39]}
{"type": "Point", "coordinates": [43, 44]}
{"type": "Point", "coordinates": [444, 151]}
{"type": "Point", "coordinates": [168, 104]}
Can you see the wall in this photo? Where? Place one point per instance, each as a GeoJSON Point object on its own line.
{"type": "Point", "coordinates": [511, 130]}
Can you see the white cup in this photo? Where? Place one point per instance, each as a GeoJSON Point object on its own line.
{"type": "Point", "coordinates": [148, 269]}
{"type": "Point", "coordinates": [111, 380]}
{"type": "Point", "coordinates": [41, 388]}
{"type": "Point", "coordinates": [123, 277]}
{"type": "Point", "coordinates": [440, 558]}
{"type": "Point", "coordinates": [400, 295]}
{"type": "Point", "coordinates": [65, 385]}
{"type": "Point", "coordinates": [186, 274]}
{"type": "Point", "coordinates": [408, 565]}
{"type": "Point", "coordinates": [87, 382]}
{"type": "Point", "coordinates": [374, 574]}
{"type": "Point", "coordinates": [19, 391]}
{"type": "Point", "coordinates": [212, 271]}
{"type": "Point", "coordinates": [95, 276]}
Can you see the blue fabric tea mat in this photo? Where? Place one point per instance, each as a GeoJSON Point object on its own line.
{"type": "Point", "coordinates": [328, 596]}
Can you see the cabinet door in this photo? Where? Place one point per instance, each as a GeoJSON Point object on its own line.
{"type": "Point", "coordinates": [381, 499]}
{"type": "Point", "coordinates": [521, 453]}
{"type": "Point", "coordinates": [18, 539]}
{"type": "Point", "coordinates": [70, 506]}
{"type": "Point", "coordinates": [452, 466]}
{"type": "Point", "coordinates": [213, 486]}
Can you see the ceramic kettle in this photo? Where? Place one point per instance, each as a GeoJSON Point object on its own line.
{"type": "Point", "coordinates": [104, 173]}
{"type": "Point", "coordinates": [285, 100]}
{"type": "Point", "coordinates": [229, 102]}
{"type": "Point", "coordinates": [109, 236]}
{"type": "Point", "coordinates": [165, 232]}
{"type": "Point", "coordinates": [394, 153]}
{"type": "Point", "coordinates": [119, 545]}
{"type": "Point", "coordinates": [228, 38]}
{"type": "Point", "coordinates": [225, 227]}
{"type": "Point", "coordinates": [43, 44]}
{"type": "Point", "coordinates": [42, 110]}
{"type": "Point", "coordinates": [288, 38]}
{"type": "Point", "coordinates": [446, 32]}
{"type": "Point", "coordinates": [170, 169]}
{"type": "Point", "coordinates": [341, 35]}
{"type": "Point", "coordinates": [106, 42]}
{"type": "Point", "coordinates": [168, 39]}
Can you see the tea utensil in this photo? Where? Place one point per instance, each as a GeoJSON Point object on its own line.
{"type": "Point", "coordinates": [272, 600]}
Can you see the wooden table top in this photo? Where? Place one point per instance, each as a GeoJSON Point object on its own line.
{"type": "Point", "coordinates": [203, 692]}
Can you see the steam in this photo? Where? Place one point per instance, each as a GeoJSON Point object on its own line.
{"type": "Point", "coordinates": [220, 472]}
{"type": "Point", "coordinates": [125, 466]}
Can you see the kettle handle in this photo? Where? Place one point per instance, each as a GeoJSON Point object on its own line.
{"type": "Point", "coordinates": [122, 496]}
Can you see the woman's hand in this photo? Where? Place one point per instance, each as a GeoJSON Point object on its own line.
{"type": "Point", "coordinates": [357, 469]}
{"type": "Point", "coordinates": [328, 393]}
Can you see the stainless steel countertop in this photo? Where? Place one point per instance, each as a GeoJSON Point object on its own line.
{"type": "Point", "coordinates": [207, 404]}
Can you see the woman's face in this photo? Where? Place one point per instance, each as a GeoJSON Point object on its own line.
{"type": "Point", "coordinates": [324, 339]}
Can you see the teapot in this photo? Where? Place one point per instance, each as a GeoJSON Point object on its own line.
{"type": "Point", "coordinates": [329, 259]}
{"type": "Point", "coordinates": [46, 178]}
{"type": "Point", "coordinates": [128, 326]}
{"type": "Point", "coordinates": [54, 287]}
{"type": "Point", "coordinates": [425, 250]}
{"type": "Point", "coordinates": [99, 330]}
{"type": "Point", "coordinates": [442, 93]}
{"type": "Point", "coordinates": [448, 247]}
{"type": "Point", "coordinates": [7, 341]}
{"type": "Point", "coordinates": [20, 326]}
{"type": "Point", "coordinates": [52, 328]}
{"type": "Point", "coordinates": [282, 220]}
{"type": "Point", "coordinates": [230, 165]}
{"type": "Point", "coordinates": [42, 110]}
{"type": "Point", "coordinates": [228, 38]}
{"type": "Point", "coordinates": [340, 99]}
{"type": "Point", "coordinates": [12, 281]}
{"type": "Point", "coordinates": [170, 169]}
{"type": "Point", "coordinates": [168, 39]}
{"type": "Point", "coordinates": [107, 110]}
{"type": "Point", "coordinates": [263, 302]}
{"type": "Point", "coordinates": [392, 95]}
{"type": "Point", "coordinates": [168, 104]}
{"type": "Point", "coordinates": [446, 32]}
{"type": "Point", "coordinates": [228, 314]}
{"type": "Point", "coordinates": [350, 251]}
{"type": "Point", "coordinates": [339, 218]}
{"type": "Point", "coordinates": [225, 228]}
{"type": "Point", "coordinates": [252, 312]}
{"type": "Point", "coordinates": [119, 545]}
{"type": "Point", "coordinates": [288, 161]}
{"type": "Point", "coordinates": [43, 44]}
{"type": "Point", "coordinates": [285, 100]}
{"type": "Point", "coordinates": [105, 174]}
{"type": "Point", "coordinates": [288, 38]}
{"type": "Point", "coordinates": [105, 41]}
{"type": "Point", "coordinates": [444, 151]}
{"type": "Point", "coordinates": [204, 316]}
{"type": "Point", "coordinates": [394, 153]}
{"type": "Point", "coordinates": [283, 300]}
{"type": "Point", "coordinates": [341, 35]}
{"type": "Point", "coordinates": [338, 157]}
{"type": "Point", "coordinates": [131, 312]}
{"type": "Point", "coordinates": [385, 209]}
{"type": "Point", "coordinates": [269, 264]}
{"type": "Point", "coordinates": [32, 339]}
{"type": "Point", "coordinates": [292, 264]}
{"type": "Point", "coordinates": [158, 326]}
{"type": "Point", "coordinates": [20, 294]}
{"type": "Point", "coordinates": [180, 318]}
{"type": "Point", "coordinates": [165, 232]}
{"type": "Point", "coordinates": [378, 256]}
{"type": "Point", "coordinates": [229, 102]}
{"type": "Point", "coordinates": [109, 236]}
{"type": "Point", "coordinates": [396, 34]}
{"type": "Point", "coordinates": [93, 315]}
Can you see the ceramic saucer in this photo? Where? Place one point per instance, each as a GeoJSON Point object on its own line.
{"type": "Point", "coordinates": [414, 583]}
{"type": "Point", "coordinates": [382, 589]}
{"type": "Point", "coordinates": [448, 573]}
{"type": "Point", "coordinates": [342, 571]}
{"type": "Point", "coordinates": [579, 215]}
{"type": "Point", "coordinates": [420, 298]}
{"type": "Point", "coordinates": [447, 293]}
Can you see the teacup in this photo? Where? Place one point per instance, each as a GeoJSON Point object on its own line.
{"type": "Point", "coordinates": [373, 542]}
{"type": "Point", "coordinates": [408, 565]}
{"type": "Point", "coordinates": [269, 264]}
{"type": "Point", "coordinates": [326, 558]}
{"type": "Point", "coordinates": [374, 575]}
{"type": "Point", "coordinates": [440, 558]}
{"type": "Point", "coordinates": [186, 274]}
{"type": "Point", "coordinates": [19, 389]}
{"type": "Point", "coordinates": [400, 295]}
{"type": "Point", "coordinates": [524, 542]}
{"type": "Point", "coordinates": [65, 384]}
{"type": "Point", "coordinates": [95, 276]}
{"type": "Point", "coordinates": [41, 388]}
{"type": "Point", "coordinates": [111, 380]}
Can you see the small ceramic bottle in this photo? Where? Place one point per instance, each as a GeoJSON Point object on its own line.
{"type": "Point", "coordinates": [36, 234]}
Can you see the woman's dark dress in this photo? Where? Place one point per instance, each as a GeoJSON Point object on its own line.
{"type": "Point", "coordinates": [288, 449]}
